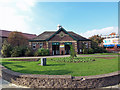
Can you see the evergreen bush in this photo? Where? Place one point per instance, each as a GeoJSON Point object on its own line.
{"type": "Point", "coordinates": [42, 52]}
{"type": "Point", "coordinates": [90, 51]}
{"type": "Point", "coordinates": [6, 49]}
{"type": "Point", "coordinates": [28, 52]}
{"type": "Point", "coordinates": [16, 52]}
{"type": "Point", "coordinates": [72, 52]}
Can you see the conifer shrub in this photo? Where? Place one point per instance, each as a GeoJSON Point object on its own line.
{"type": "Point", "coordinates": [6, 49]}
{"type": "Point", "coordinates": [72, 52]}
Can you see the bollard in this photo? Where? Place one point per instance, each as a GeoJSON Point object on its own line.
{"type": "Point", "coordinates": [43, 61]}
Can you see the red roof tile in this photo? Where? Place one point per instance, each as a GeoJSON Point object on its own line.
{"type": "Point", "coordinates": [5, 33]}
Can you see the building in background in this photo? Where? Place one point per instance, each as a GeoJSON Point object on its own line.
{"type": "Point", "coordinates": [111, 42]}
{"type": "Point", "coordinates": [4, 35]}
{"type": "Point", "coordinates": [58, 42]}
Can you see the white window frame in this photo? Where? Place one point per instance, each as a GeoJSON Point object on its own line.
{"type": "Point", "coordinates": [41, 45]}
{"type": "Point", "coordinates": [34, 45]}
{"type": "Point", "coordinates": [86, 45]}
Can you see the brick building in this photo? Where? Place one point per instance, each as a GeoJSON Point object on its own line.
{"type": "Point", "coordinates": [59, 42]}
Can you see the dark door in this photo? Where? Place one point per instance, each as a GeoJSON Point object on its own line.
{"type": "Point", "coordinates": [67, 49]}
{"type": "Point", "coordinates": [55, 49]}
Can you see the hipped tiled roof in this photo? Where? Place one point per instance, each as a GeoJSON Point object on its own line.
{"type": "Point", "coordinates": [47, 34]}
{"type": "Point", "coordinates": [5, 33]}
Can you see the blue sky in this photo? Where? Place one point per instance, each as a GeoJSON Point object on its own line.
{"type": "Point", "coordinates": [85, 18]}
{"type": "Point", "coordinates": [77, 16]}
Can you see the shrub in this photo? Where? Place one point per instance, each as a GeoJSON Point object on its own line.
{"type": "Point", "coordinates": [85, 51]}
{"type": "Point", "coordinates": [28, 52]}
{"type": "Point", "coordinates": [90, 51]}
{"type": "Point", "coordinates": [72, 52]}
{"type": "Point", "coordinates": [6, 49]}
{"type": "Point", "coordinates": [42, 52]}
{"type": "Point", "coordinates": [23, 50]}
{"type": "Point", "coordinates": [16, 52]}
{"type": "Point", "coordinates": [100, 50]}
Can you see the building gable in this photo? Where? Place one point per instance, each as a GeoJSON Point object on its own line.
{"type": "Point", "coordinates": [61, 34]}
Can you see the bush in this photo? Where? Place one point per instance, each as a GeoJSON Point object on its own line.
{"type": "Point", "coordinates": [85, 51]}
{"type": "Point", "coordinates": [28, 52]}
{"type": "Point", "coordinates": [16, 52]}
{"type": "Point", "coordinates": [90, 51]}
{"type": "Point", "coordinates": [23, 50]}
{"type": "Point", "coordinates": [6, 49]}
{"type": "Point", "coordinates": [72, 52]}
{"type": "Point", "coordinates": [100, 50]}
{"type": "Point", "coordinates": [42, 52]}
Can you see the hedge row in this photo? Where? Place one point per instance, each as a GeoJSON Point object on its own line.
{"type": "Point", "coordinates": [18, 51]}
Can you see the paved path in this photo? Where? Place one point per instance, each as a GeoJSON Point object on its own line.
{"type": "Point", "coordinates": [65, 56]}
{"type": "Point", "coordinates": [6, 84]}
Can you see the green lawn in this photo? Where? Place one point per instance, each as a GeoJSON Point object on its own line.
{"type": "Point", "coordinates": [100, 66]}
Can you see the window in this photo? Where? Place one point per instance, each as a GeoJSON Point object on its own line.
{"type": "Point", "coordinates": [118, 46]}
{"type": "Point", "coordinates": [41, 44]}
{"type": "Point", "coordinates": [61, 34]}
{"type": "Point", "coordinates": [80, 50]}
{"type": "Point", "coordinates": [86, 45]}
{"type": "Point", "coordinates": [34, 46]}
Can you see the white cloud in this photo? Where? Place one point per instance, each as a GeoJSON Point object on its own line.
{"type": "Point", "coordinates": [25, 5]}
{"type": "Point", "coordinates": [103, 31]}
{"type": "Point", "coordinates": [10, 17]}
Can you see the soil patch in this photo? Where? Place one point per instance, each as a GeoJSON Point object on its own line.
{"type": "Point", "coordinates": [25, 59]}
{"type": "Point", "coordinates": [106, 57]}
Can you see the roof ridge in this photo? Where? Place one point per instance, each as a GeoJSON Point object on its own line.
{"type": "Point", "coordinates": [5, 30]}
{"type": "Point", "coordinates": [18, 31]}
{"type": "Point", "coordinates": [49, 31]}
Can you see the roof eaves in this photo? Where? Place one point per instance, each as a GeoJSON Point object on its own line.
{"type": "Point", "coordinates": [85, 40]}
{"type": "Point", "coordinates": [36, 40]}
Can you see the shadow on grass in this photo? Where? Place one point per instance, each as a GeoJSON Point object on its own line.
{"type": "Point", "coordinates": [19, 66]}
{"type": "Point", "coordinates": [55, 64]}
{"type": "Point", "coordinates": [47, 72]}
{"type": "Point", "coordinates": [4, 63]}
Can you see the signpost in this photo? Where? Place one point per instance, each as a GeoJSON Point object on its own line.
{"type": "Point", "coordinates": [43, 61]}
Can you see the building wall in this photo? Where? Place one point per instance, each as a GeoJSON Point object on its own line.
{"type": "Point", "coordinates": [61, 37]}
{"type": "Point", "coordinates": [80, 45]}
{"type": "Point", "coordinates": [74, 43]}
{"type": "Point", "coordinates": [37, 45]}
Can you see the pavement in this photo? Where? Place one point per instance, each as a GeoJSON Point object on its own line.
{"type": "Point", "coordinates": [64, 56]}
{"type": "Point", "coordinates": [6, 84]}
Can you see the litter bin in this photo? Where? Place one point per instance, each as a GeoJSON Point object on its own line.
{"type": "Point", "coordinates": [43, 61]}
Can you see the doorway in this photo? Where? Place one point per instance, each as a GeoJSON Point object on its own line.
{"type": "Point", "coordinates": [55, 50]}
{"type": "Point", "coordinates": [67, 49]}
